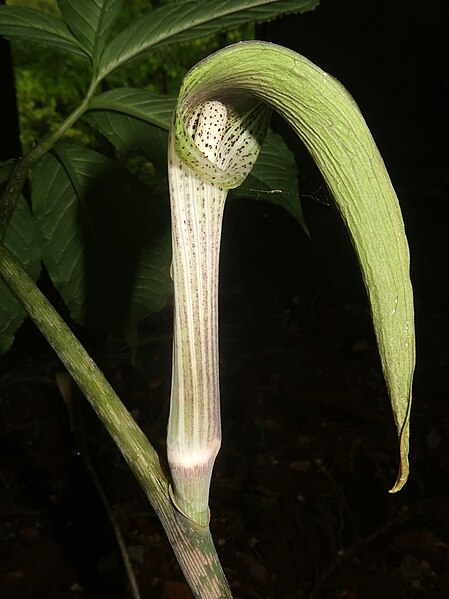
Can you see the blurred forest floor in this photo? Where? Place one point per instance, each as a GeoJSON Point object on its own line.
{"type": "Point", "coordinates": [299, 496]}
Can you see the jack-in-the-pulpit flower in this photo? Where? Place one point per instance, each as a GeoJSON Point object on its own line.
{"type": "Point", "coordinates": [219, 124]}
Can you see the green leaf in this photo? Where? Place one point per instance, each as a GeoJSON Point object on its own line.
{"type": "Point", "coordinates": [21, 240]}
{"type": "Point", "coordinates": [128, 134]}
{"type": "Point", "coordinates": [134, 120]}
{"type": "Point", "coordinates": [19, 23]}
{"type": "Point", "coordinates": [274, 178]}
{"type": "Point", "coordinates": [90, 21]}
{"type": "Point", "coordinates": [105, 240]}
{"type": "Point", "coordinates": [186, 21]}
{"type": "Point", "coordinates": [156, 109]}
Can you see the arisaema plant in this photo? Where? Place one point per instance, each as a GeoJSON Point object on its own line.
{"type": "Point", "coordinates": [217, 130]}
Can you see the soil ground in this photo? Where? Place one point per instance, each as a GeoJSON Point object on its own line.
{"type": "Point", "coordinates": [299, 498]}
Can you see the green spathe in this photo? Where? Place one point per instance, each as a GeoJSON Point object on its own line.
{"type": "Point", "coordinates": [329, 123]}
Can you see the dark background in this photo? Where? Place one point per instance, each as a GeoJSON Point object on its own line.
{"type": "Point", "coordinates": [299, 503]}
{"type": "Point", "coordinates": [394, 62]}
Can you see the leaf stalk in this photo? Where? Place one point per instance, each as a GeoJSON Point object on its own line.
{"type": "Point", "coordinates": [14, 187]}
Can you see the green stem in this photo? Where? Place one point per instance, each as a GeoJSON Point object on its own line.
{"type": "Point", "coordinates": [10, 197]}
{"type": "Point", "coordinates": [192, 544]}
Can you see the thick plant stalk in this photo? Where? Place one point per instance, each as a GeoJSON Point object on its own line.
{"type": "Point", "coordinates": [192, 544]}
{"type": "Point", "coordinates": [329, 123]}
